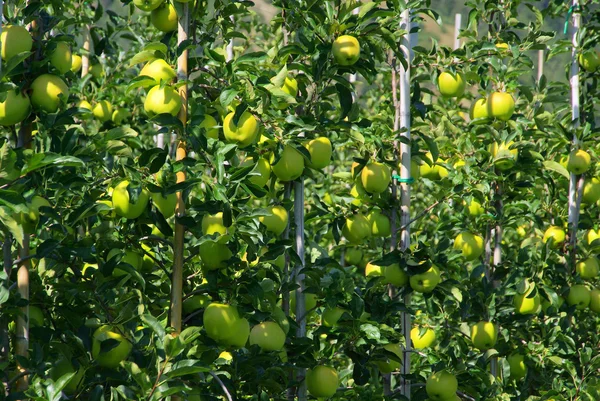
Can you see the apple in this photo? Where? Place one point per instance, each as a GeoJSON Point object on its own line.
{"type": "Point", "coordinates": [75, 63]}
{"type": "Point", "coordinates": [147, 260]}
{"type": "Point", "coordinates": [96, 70]}
{"type": "Point", "coordinates": [281, 318]}
{"type": "Point", "coordinates": [331, 316]}
{"type": "Point", "coordinates": [353, 256]}
{"type": "Point", "coordinates": [130, 257]}
{"type": "Point", "coordinates": [375, 177]}
{"type": "Point", "coordinates": [395, 276]}
{"type": "Point", "coordinates": [525, 304]}
{"type": "Point", "coordinates": [15, 39]}
{"type": "Point", "coordinates": [61, 58]}
{"type": "Point", "coordinates": [425, 282]}
{"type": "Point", "coordinates": [474, 207]}
{"type": "Point", "coordinates": [441, 386]}
{"type": "Point", "coordinates": [322, 381]}
{"type": "Point", "coordinates": [373, 270]}
{"type": "Point", "coordinates": [122, 202]}
{"type": "Point", "coordinates": [195, 302]}
{"type": "Point", "coordinates": [451, 84]}
{"type": "Point", "coordinates": [555, 235]}
{"type": "Point", "coordinates": [268, 336]}
{"type": "Point", "coordinates": [501, 105]}
{"type": "Point", "coordinates": [164, 18]}
{"type": "Point", "coordinates": [424, 340]}
{"type": "Point", "coordinates": [290, 164]}
{"type": "Point", "coordinates": [320, 150]}
{"type": "Point", "coordinates": [588, 268]}
{"type": "Point", "coordinates": [479, 109]}
{"type": "Point", "coordinates": [84, 104]}
{"type": "Point", "coordinates": [591, 191]}
{"type": "Point", "coordinates": [30, 220]}
{"type": "Point", "coordinates": [48, 92]}
{"type": "Point", "coordinates": [380, 224]}
{"type": "Point", "coordinates": [484, 335]}
{"type": "Point", "coordinates": [219, 321]}
{"type": "Point", "coordinates": [579, 162]}
{"type": "Point", "coordinates": [210, 125]}
{"type": "Point", "coordinates": [148, 5]}
{"type": "Point", "coordinates": [290, 86]}
{"type": "Point", "coordinates": [390, 365]}
{"type": "Point", "coordinates": [159, 70]}
{"type": "Point", "coordinates": [310, 302]}
{"type": "Point", "coordinates": [589, 60]}
{"type": "Point", "coordinates": [276, 221]}
{"type": "Point", "coordinates": [214, 255]}
{"type": "Point", "coordinates": [502, 46]}
{"type": "Point", "coordinates": [103, 111]}
{"type": "Point", "coordinates": [469, 244]}
{"type": "Point", "coordinates": [63, 367]}
{"type": "Point", "coordinates": [213, 223]}
{"type": "Point", "coordinates": [356, 228]}
{"type": "Point", "coordinates": [162, 100]}
{"type": "Point", "coordinates": [239, 334]}
{"type": "Point", "coordinates": [579, 296]}
{"type": "Point", "coordinates": [504, 157]}
{"type": "Point", "coordinates": [244, 133]}
{"type": "Point", "coordinates": [119, 115]}
{"type": "Point", "coordinates": [595, 300]}
{"type": "Point", "coordinates": [262, 167]}
{"type": "Point", "coordinates": [346, 50]}
{"type": "Point", "coordinates": [109, 358]}
{"type": "Point", "coordinates": [434, 172]}
{"type": "Point", "coordinates": [591, 235]}
{"type": "Point", "coordinates": [15, 107]}
{"type": "Point", "coordinates": [358, 192]}
{"type": "Point", "coordinates": [518, 369]}
{"type": "Point", "coordinates": [165, 204]}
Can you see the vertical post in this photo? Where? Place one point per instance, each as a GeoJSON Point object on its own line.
{"type": "Point", "coordinates": [573, 218]}
{"type": "Point", "coordinates": [540, 66]}
{"type": "Point", "coordinates": [352, 77]}
{"type": "Point", "coordinates": [300, 302]}
{"type": "Point", "coordinates": [403, 112]}
{"type": "Point", "coordinates": [85, 58]}
{"type": "Point", "coordinates": [4, 343]}
{"type": "Point", "coordinates": [229, 48]}
{"type": "Point", "coordinates": [457, 24]}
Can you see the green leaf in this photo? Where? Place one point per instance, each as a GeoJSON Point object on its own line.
{"type": "Point", "coordinates": [50, 159]}
{"type": "Point", "coordinates": [154, 324]}
{"type": "Point", "coordinates": [251, 57]}
{"type": "Point", "coordinates": [557, 168]}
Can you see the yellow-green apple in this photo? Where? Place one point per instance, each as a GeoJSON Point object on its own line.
{"type": "Point", "coordinates": [128, 256]}
{"type": "Point", "coordinates": [159, 70]}
{"type": "Point", "coordinates": [474, 208]}
{"type": "Point", "coordinates": [148, 5]}
{"type": "Point", "coordinates": [479, 109]}
{"type": "Point", "coordinates": [346, 50]}
{"type": "Point", "coordinates": [518, 369]}
{"type": "Point", "coordinates": [63, 367]}
{"type": "Point", "coordinates": [395, 276]}
{"type": "Point", "coordinates": [373, 270]}
{"type": "Point", "coordinates": [290, 86]}
{"type": "Point", "coordinates": [441, 386]}
{"type": "Point", "coordinates": [595, 300]}
{"type": "Point", "coordinates": [75, 63]}
{"type": "Point", "coordinates": [84, 104]}
{"type": "Point", "coordinates": [15, 39]}
{"type": "Point", "coordinates": [451, 84]}
{"type": "Point", "coordinates": [434, 172]}
{"type": "Point", "coordinates": [96, 70]}
{"type": "Point", "coordinates": [555, 235]}
{"type": "Point", "coordinates": [375, 177]}
{"type": "Point", "coordinates": [469, 244]}
{"type": "Point", "coordinates": [30, 220]}
{"type": "Point", "coordinates": [579, 296]}
{"type": "Point", "coordinates": [390, 365]}
{"type": "Point", "coordinates": [380, 224]}
{"type": "Point", "coordinates": [322, 381]}
{"type": "Point", "coordinates": [589, 60]}
{"type": "Point", "coordinates": [239, 334]}
{"type": "Point", "coordinates": [484, 335]}
{"type": "Point", "coordinates": [525, 304]}
{"type": "Point", "coordinates": [290, 164]}
{"type": "Point", "coordinates": [219, 320]}
{"type": "Point", "coordinates": [214, 255]}
{"type": "Point", "coordinates": [425, 282]}
{"type": "Point", "coordinates": [281, 318]}
{"type": "Point", "coordinates": [276, 221]}
{"type": "Point", "coordinates": [331, 316]}
{"type": "Point", "coordinates": [119, 115]}
{"type": "Point", "coordinates": [310, 301]}
{"type": "Point", "coordinates": [504, 157]}
{"type": "Point", "coordinates": [358, 192]}
{"type": "Point", "coordinates": [122, 202]}
{"type": "Point", "coordinates": [61, 57]}
{"type": "Point", "coordinates": [243, 133]}
{"type": "Point", "coordinates": [501, 105]}
{"type": "Point", "coordinates": [148, 257]}
{"type": "Point", "coordinates": [109, 356]}
{"type": "Point", "coordinates": [353, 256]}
{"type": "Point", "coordinates": [210, 125]}
{"type": "Point", "coordinates": [591, 235]}
{"type": "Point", "coordinates": [213, 224]}
{"type": "Point", "coordinates": [195, 302]}
{"type": "Point", "coordinates": [268, 336]}
{"type": "Point", "coordinates": [588, 268]}
{"type": "Point", "coordinates": [356, 228]}
{"type": "Point", "coordinates": [47, 92]}
{"type": "Point", "coordinates": [162, 100]}
{"type": "Point", "coordinates": [103, 111]}
{"type": "Point", "coordinates": [422, 337]}
{"type": "Point", "coordinates": [320, 150]}
{"type": "Point", "coordinates": [262, 167]}
{"type": "Point", "coordinates": [15, 107]}
{"type": "Point", "coordinates": [165, 204]}
{"type": "Point", "coordinates": [579, 161]}
{"type": "Point", "coordinates": [591, 191]}
{"type": "Point", "coordinates": [164, 18]}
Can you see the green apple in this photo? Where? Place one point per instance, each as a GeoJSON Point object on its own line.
{"type": "Point", "coordinates": [484, 335]}
{"type": "Point", "coordinates": [518, 369]}
{"type": "Point", "coordinates": [555, 235]}
{"type": "Point", "coordinates": [243, 133]}
{"type": "Point", "coordinates": [390, 365]}
{"type": "Point", "coordinates": [281, 318]}
{"type": "Point", "coordinates": [346, 50]}
{"type": "Point", "coordinates": [76, 62]}
{"type": "Point", "coordinates": [451, 84]}
{"type": "Point", "coordinates": [322, 381]}
{"type": "Point", "coordinates": [525, 304]}
{"type": "Point", "coordinates": [353, 256]}
{"type": "Point", "coordinates": [195, 302]}
{"type": "Point", "coordinates": [589, 60]}
{"type": "Point", "coordinates": [501, 105]}
{"type": "Point", "coordinates": [422, 338]}
{"type": "Point", "coordinates": [380, 224]}
{"type": "Point", "coordinates": [579, 162]}
{"type": "Point", "coordinates": [165, 204]}
{"type": "Point", "coordinates": [162, 100]}
{"type": "Point", "coordinates": [320, 150]}
{"type": "Point", "coordinates": [262, 167]}
{"type": "Point", "coordinates": [289, 166]}
{"type": "Point", "coordinates": [119, 115]}
{"type": "Point", "coordinates": [595, 300]}
{"type": "Point", "coordinates": [210, 125]}
{"type": "Point", "coordinates": [331, 316]}
{"type": "Point", "coordinates": [588, 268]}
{"type": "Point", "coordinates": [61, 58]}
{"type": "Point", "coordinates": [375, 177]}
{"type": "Point", "coordinates": [373, 270]}
{"type": "Point", "coordinates": [219, 321]}
{"type": "Point", "coordinates": [469, 244]}
{"type": "Point", "coordinates": [96, 71]}
{"type": "Point", "coordinates": [63, 367]}
{"type": "Point", "coordinates": [239, 334]}
{"type": "Point", "coordinates": [159, 70]}
{"type": "Point", "coordinates": [48, 92]}
{"type": "Point", "coordinates": [148, 5]}
{"type": "Point", "coordinates": [164, 18]}
{"type": "Point", "coordinates": [130, 257]}
{"type": "Point", "coordinates": [356, 228]}
{"type": "Point", "coordinates": [15, 39]}
{"type": "Point", "coordinates": [310, 302]}
{"type": "Point", "coordinates": [103, 111]}
{"type": "Point", "coordinates": [109, 358]}
{"type": "Point", "coordinates": [214, 255]}
{"type": "Point", "coordinates": [479, 109]}
{"type": "Point", "coordinates": [84, 104]}
{"type": "Point", "coordinates": [425, 282]}
{"type": "Point", "coordinates": [395, 276]}
{"type": "Point", "coordinates": [435, 172]}
{"type": "Point", "coordinates": [591, 191]}
{"type": "Point", "coordinates": [591, 235]}
{"type": "Point", "coordinates": [504, 157]}
{"type": "Point", "coordinates": [276, 221]}
{"type": "Point", "coordinates": [268, 336]}
{"type": "Point", "coordinates": [358, 192]}
{"type": "Point", "coordinates": [213, 223]}
{"type": "Point", "coordinates": [290, 86]}
{"type": "Point", "coordinates": [579, 296]}
{"type": "Point", "coordinates": [474, 208]}
{"type": "Point", "coordinates": [122, 204]}
{"type": "Point", "coordinates": [441, 386]}
{"type": "Point", "coordinates": [147, 260]}
{"type": "Point", "coordinates": [15, 107]}
{"type": "Point", "coordinates": [30, 220]}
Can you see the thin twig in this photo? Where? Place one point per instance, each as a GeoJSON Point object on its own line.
{"type": "Point", "coordinates": [225, 390]}
{"type": "Point", "coordinates": [420, 215]}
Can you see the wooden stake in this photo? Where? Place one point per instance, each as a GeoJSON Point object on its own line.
{"type": "Point", "coordinates": [85, 59]}
{"type": "Point", "coordinates": [540, 67]}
